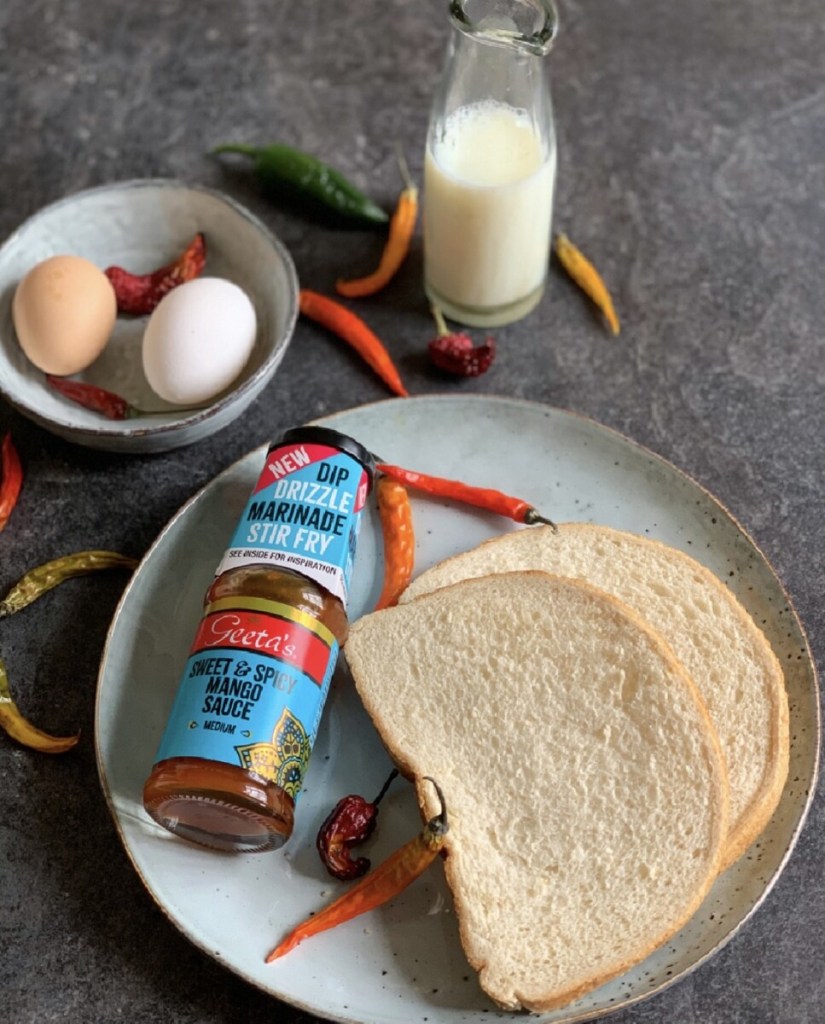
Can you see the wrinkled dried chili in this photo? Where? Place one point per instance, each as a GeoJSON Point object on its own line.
{"type": "Point", "coordinates": [585, 275]}
{"type": "Point", "coordinates": [352, 329]}
{"type": "Point", "coordinates": [402, 228]}
{"type": "Point", "coordinates": [380, 885]}
{"type": "Point", "coordinates": [46, 577]}
{"type": "Point", "coordinates": [350, 822]}
{"type": "Point", "coordinates": [302, 177]}
{"type": "Point", "coordinates": [138, 294]}
{"type": "Point", "coordinates": [454, 351]}
{"type": "Point", "coordinates": [34, 584]}
{"type": "Point", "coordinates": [107, 403]}
{"type": "Point", "coordinates": [395, 513]}
{"type": "Point", "coordinates": [11, 478]}
{"type": "Point", "coordinates": [22, 730]}
{"type": "Point", "coordinates": [485, 498]}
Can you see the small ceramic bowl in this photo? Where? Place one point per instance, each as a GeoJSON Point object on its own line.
{"type": "Point", "coordinates": [142, 225]}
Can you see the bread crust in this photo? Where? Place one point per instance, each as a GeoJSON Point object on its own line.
{"type": "Point", "coordinates": [764, 799]}
{"type": "Point", "coordinates": [414, 768]}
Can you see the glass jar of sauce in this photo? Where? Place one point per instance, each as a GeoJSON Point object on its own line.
{"type": "Point", "coordinates": [239, 736]}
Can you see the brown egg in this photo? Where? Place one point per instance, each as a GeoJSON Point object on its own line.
{"type": "Point", "coordinates": [64, 311]}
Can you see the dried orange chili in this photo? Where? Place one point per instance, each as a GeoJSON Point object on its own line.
{"type": "Point", "coordinates": [582, 271]}
{"type": "Point", "coordinates": [402, 228]}
{"type": "Point", "coordinates": [11, 478]}
{"type": "Point", "coordinates": [387, 880]}
{"type": "Point", "coordinates": [485, 498]}
{"type": "Point", "coordinates": [138, 294]}
{"type": "Point", "coordinates": [352, 329]}
{"type": "Point", "coordinates": [395, 512]}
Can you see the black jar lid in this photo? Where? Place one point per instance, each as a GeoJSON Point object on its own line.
{"type": "Point", "coordinates": [333, 438]}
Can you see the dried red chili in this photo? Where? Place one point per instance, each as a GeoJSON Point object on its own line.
{"type": "Point", "coordinates": [455, 352]}
{"type": "Point", "coordinates": [350, 822]}
{"type": "Point", "coordinates": [395, 513]}
{"type": "Point", "coordinates": [138, 294]}
{"type": "Point", "coordinates": [486, 498]}
{"type": "Point", "coordinates": [90, 396]}
{"type": "Point", "coordinates": [11, 478]}
{"type": "Point", "coordinates": [377, 887]}
{"type": "Point", "coordinates": [107, 403]}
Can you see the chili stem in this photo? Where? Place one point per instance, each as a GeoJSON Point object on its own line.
{"type": "Point", "coordinates": [387, 783]}
{"type": "Point", "coordinates": [440, 322]}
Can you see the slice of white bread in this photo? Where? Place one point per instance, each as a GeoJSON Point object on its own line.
{"type": "Point", "coordinates": [724, 652]}
{"type": "Point", "coordinates": [584, 783]}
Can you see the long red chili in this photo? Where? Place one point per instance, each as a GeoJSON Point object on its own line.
{"type": "Point", "coordinates": [11, 478]}
{"type": "Point", "coordinates": [387, 880]}
{"type": "Point", "coordinates": [352, 329]}
{"type": "Point", "coordinates": [486, 498]}
{"type": "Point", "coordinates": [138, 294]}
{"type": "Point", "coordinates": [395, 513]}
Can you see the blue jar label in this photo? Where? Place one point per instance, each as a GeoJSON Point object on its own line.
{"type": "Point", "coordinates": [303, 514]}
{"type": "Point", "coordinates": [253, 689]}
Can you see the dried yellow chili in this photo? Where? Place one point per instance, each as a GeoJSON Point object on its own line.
{"type": "Point", "coordinates": [45, 577]}
{"type": "Point", "coordinates": [20, 729]}
{"type": "Point", "coordinates": [35, 583]}
{"type": "Point", "coordinates": [402, 228]}
{"type": "Point", "coordinates": [582, 271]}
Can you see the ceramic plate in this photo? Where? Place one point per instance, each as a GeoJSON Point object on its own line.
{"type": "Point", "coordinates": [403, 963]}
{"type": "Point", "coordinates": [141, 225]}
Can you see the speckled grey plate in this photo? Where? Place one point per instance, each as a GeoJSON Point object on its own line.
{"type": "Point", "coordinates": [403, 963]}
{"type": "Point", "coordinates": [141, 225]}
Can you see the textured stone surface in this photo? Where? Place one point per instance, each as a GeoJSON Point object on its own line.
{"type": "Point", "coordinates": [691, 168]}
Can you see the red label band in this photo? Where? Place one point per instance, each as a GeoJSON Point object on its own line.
{"type": "Point", "coordinates": [289, 459]}
{"type": "Point", "coordinates": [268, 635]}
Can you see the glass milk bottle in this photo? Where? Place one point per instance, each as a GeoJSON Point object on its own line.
{"type": "Point", "coordinates": [490, 165]}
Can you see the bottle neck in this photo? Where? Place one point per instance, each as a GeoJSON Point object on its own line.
{"type": "Point", "coordinates": [527, 26]}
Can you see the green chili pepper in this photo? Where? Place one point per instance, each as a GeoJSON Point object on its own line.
{"type": "Point", "coordinates": [45, 577]}
{"type": "Point", "coordinates": [313, 184]}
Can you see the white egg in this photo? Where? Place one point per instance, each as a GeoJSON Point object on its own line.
{"type": "Point", "coordinates": [198, 340]}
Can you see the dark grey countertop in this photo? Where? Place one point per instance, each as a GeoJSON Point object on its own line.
{"type": "Point", "coordinates": [692, 168]}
